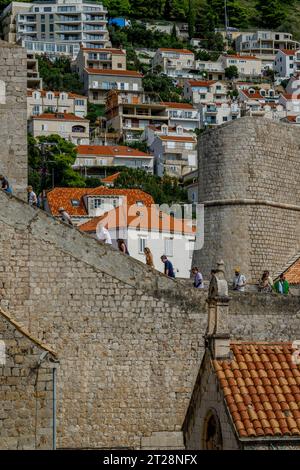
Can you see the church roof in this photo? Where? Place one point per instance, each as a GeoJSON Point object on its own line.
{"type": "Point", "coordinates": [261, 386]}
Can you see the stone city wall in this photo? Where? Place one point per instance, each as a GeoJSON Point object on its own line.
{"type": "Point", "coordinates": [129, 340]}
{"type": "Point", "coordinates": [13, 116]}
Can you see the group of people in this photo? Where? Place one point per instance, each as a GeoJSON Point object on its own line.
{"type": "Point", "coordinates": [265, 283]}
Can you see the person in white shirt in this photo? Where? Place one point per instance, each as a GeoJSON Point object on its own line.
{"type": "Point", "coordinates": [32, 198]}
{"type": "Point", "coordinates": [103, 234]}
{"type": "Point", "coordinates": [239, 280]}
{"type": "Point", "coordinates": [65, 216]}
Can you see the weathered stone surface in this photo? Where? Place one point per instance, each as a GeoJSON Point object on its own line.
{"type": "Point", "coordinates": [249, 170]}
{"type": "Point", "coordinates": [13, 116]}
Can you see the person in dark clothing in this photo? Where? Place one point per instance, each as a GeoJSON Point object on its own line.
{"type": "Point", "coordinates": [169, 270]}
{"type": "Point", "coordinates": [4, 184]}
{"type": "Point", "coordinates": [122, 246]}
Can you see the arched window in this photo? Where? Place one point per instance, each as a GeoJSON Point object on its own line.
{"type": "Point", "coordinates": [212, 436]}
{"type": "Point", "coordinates": [2, 92]}
{"type": "Point", "coordinates": [78, 128]}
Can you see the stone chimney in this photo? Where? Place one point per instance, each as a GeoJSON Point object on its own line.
{"type": "Point", "coordinates": [217, 337]}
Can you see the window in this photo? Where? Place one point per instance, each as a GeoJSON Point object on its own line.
{"type": "Point", "coordinates": [42, 17]}
{"type": "Point", "coordinates": [48, 9]}
{"type": "Point", "coordinates": [171, 145]}
{"type": "Point", "coordinates": [44, 127]}
{"type": "Point", "coordinates": [42, 28]}
{"type": "Point", "coordinates": [225, 119]}
{"type": "Point", "coordinates": [142, 244]}
{"type": "Point", "coordinates": [36, 110]}
{"type": "Point", "coordinates": [51, 28]}
{"type": "Point", "coordinates": [169, 246]}
{"type": "Point", "coordinates": [79, 102]}
{"type": "Point", "coordinates": [189, 145]}
{"type": "Point", "coordinates": [202, 97]}
{"type": "Point", "coordinates": [212, 438]}
{"type": "Point", "coordinates": [97, 203]}
{"type": "Point", "coordinates": [119, 66]}
{"type": "Point", "coordinates": [49, 96]}
{"type": "Point", "coordinates": [75, 202]}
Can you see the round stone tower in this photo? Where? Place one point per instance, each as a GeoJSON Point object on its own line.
{"type": "Point", "coordinates": [249, 182]}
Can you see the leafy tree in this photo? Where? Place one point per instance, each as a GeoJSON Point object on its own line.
{"type": "Point", "coordinates": [94, 111]}
{"type": "Point", "coordinates": [164, 190]}
{"type": "Point", "coordinates": [271, 13]}
{"type": "Point", "coordinates": [139, 145]}
{"type": "Point", "coordinates": [55, 160]}
{"type": "Point", "coordinates": [58, 75]}
{"type": "Point", "coordinates": [231, 72]}
{"type": "Point", "coordinates": [191, 19]}
{"type": "Point", "coordinates": [163, 86]}
{"type": "Point", "coordinates": [117, 7]}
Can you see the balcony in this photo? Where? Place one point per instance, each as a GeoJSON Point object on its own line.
{"type": "Point", "coordinates": [211, 110]}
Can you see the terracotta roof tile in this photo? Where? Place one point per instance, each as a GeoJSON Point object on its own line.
{"type": "Point", "coordinates": [264, 399]}
{"type": "Point", "coordinates": [59, 117]}
{"type": "Point", "coordinates": [62, 197]}
{"type": "Point", "coordinates": [120, 72]}
{"type": "Point", "coordinates": [111, 150]}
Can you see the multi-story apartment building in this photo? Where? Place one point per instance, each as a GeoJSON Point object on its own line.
{"type": "Point", "coordinates": [98, 82]}
{"type": "Point", "coordinates": [42, 101]}
{"type": "Point", "coordinates": [174, 155]}
{"type": "Point", "coordinates": [211, 98]}
{"type": "Point", "coordinates": [91, 158]}
{"type": "Point", "coordinates": [112, 59]}
{"type": "Point", "coordinates": [129, 114]}
{"type": "Point", "coordinates": [184, 115]}
{"type": "Point", "coordinates": [247, 65]}
{"type": "Point", "coordinates": [261, 102]}
{"type": "Point", "coordinates": [33, 76]}
{"type": "Point", "coordinates": [262, 43]}
{"type": "Point", "coordinates": [68, 126]}
{"type": "Point", "coordinates": [205, 91]}
{"type": "Point", "coordinates": [151, 132]}
{"type": "Point", "coordinates": [174, 62]}
{"type": "Point", "coordinates": [287, 62]}
{"type": "Point", "coordinates": [56, 27]}
{"type": "Point", "coordinates": [211, 70]}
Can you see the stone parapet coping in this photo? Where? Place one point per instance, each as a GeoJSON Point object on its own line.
{"type": "Point", "coordinates": [250, 202]}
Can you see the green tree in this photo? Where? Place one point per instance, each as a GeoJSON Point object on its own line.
{"type": "Point", "coordinates": [231, 72]}
{"type": "Point", "coordinates": [57, 75]}
{"type": "Point", "coordinates": [163, 86]}
{"type": "Point", "coordinates": [53, 164]}
{"type": "Point", "coordinates": [164, 190]}
{"type": "Point", "coordinates": [191, 19]}
{"type": "Point", "coordinates": [139, 145]}
{"type": "Point", "coordinates": [117, 7]}
{"type": "Point", "coordinates": [271, 13]}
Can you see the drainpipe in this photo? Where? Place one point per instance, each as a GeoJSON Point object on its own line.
{"type": "Point", "coordinates": [54, 409]}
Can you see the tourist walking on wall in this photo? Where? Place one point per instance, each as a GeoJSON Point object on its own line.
{"type": "Point", "coordinates": [239, 280]}
{"type": "Point", "coordinates": [103, 234]}
{"type": "Point", "coordinates": [122, 246]}
{"type": "Point", "coordinates": [265, 284]}
{"type": "Point", "coordinates": [282, 285]}
{"type": "Point", "coordinates": [65, 217]}
{"type": "Point", "coordinates": [198, 278]}
{"type": "Point", "coordinates": [4, 184]}
{"type": "Point", "coordinates": [169, 270]}
{"type": "Point", "coordinates": [32, 198]}
{"type": "Point", "coordinates": [149, 257]}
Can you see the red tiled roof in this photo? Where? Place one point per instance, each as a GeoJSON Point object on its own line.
{"type": "Point", "coordinates": [113, 51]}
{"type": "Point", "coordinates": [177, 105]}
{"type": "Point", "coordinates": [62, 197]}
{"type": "Point", "coordinates": [244, 57]}
{"type": "Point", "coordinates": [289, 96]}
{"type": "Point", "coordinates": [59, 117]}
{"type": "Point", "coordinates": [111, 178]}
{"type": "Point", "coordinates": [261, 386]}
{"type": "Point", "coordinates": [254, 96]}
{"type": "Point", "coordinates": [146, 218]}
{"type": "Point", "coordinates": [179, 51]}
{"type": "Point", "coordinates": [30, 92]}
{"type": "Point", "coordinates": [177, 138]}
{"type": "Point", "coordinates": [292, 273]}
{"type": "Point", "coordinates": [292, 118]}
{"type": "Point", "coordinates": [202, 83]}
{"type": "Point", "coordinates": [121, 73]}
{"type": "Point", "coordinates": [111, 150]}
{"type": "Point", "coordinates": [288, 51]}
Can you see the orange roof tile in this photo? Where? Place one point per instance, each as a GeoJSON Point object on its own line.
{"type": "Point", "coordinates": [146, 218]}
{"type": "Point", "coordinates": [292, 273]}
{"type": "Point", "coordinates": [179, 51]}
{"type": "Point", "coordinates": [177, 138]}
{"type": "Point", "coordinates": [111, 178]}
{"type": "Point", "coordinates": [244, 57]}
{"type": "Point", "coordinates": [254, 96]}
{"type": "Point", "coordinates": [264, 408]}
{"type": "Point", "coordinates": [121, 73]}
{"type": "Point", "coordinates": [94, 49]}
{"type": "Point", "coordinates": [288, 51]}
{"type": "Point", "coordinates": [43, 93]}
{"type": "Point", "coordinates": [177, 105]}
{"type": "Point", "coordinates": [201, 83]}
{"type": "Point", "coordinates": [59, 117]}
{"type": "Point", "coordinates": [111, 150]}
{"type": "Point", "coordinates": [62, 197]}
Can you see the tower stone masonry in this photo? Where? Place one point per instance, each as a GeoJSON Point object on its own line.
{"type": "Point", "coordinates": [249, 182]}
{"type": "Point", "coordinates": [13, 119]}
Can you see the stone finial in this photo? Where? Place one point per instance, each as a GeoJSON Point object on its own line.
{"type": "Point", "coordinates": [217, 334]}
